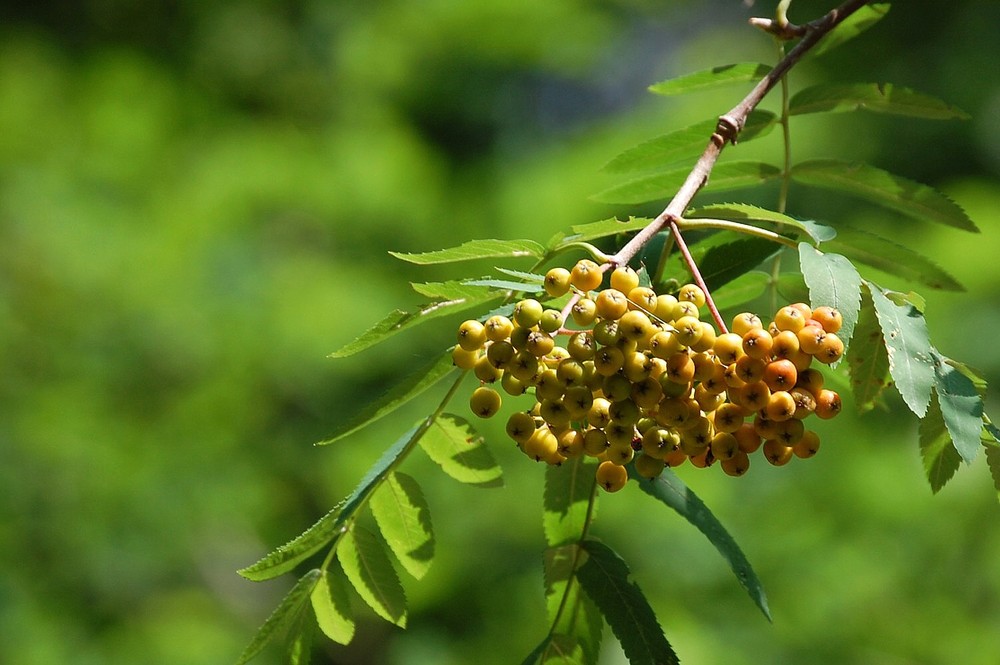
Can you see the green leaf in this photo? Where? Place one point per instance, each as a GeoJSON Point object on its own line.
{"type": "Point", "coordinates": [669, 489]}
{"type": "Point", "coordinates": [332, 605]}
{"type": "Point", "coordinates": [505, 285]}
{"type": "Point", "coordinates": [662, 186]}
{"type": "Point", "coordinates": [462, 453]}
{"type": "Point", "coordinates": [961, 406]}
{"type": "Point", "coordinates": [300, 640]}
{"type": "Point", "coordinates": [476, 249]}
{"type": "Point", "coordinates": [743, 289]}
{"type": "Point", "coordinates": [399, 320]}
{"type": "Point", "coordinates": [711, 78]}
{"type": "Point", "coordinates": [403, 516]}
{"type": "Point", "coordinates": [604, 577]}
{"type": "Point", "coordinates": [400, 394]}
{"type": "Point", "coordinates": [369, 570]}
{"type": "Point", "coordinates": [792, 287]}
{"type": "Point", "coordinates": [568, 489]}
{"type": "Point", "coordinates": [450, 290]}
{"type": "Point", "coordinates": [291, 554]}
{"type": "Point", "coordinates": [723, 263]}
{"type": "Point", "coordinates": [283, 616]}
{"type": "Point", "coordinates": [741, 212]}
{"type": "Point", "coordinates": [575, 634]}
{"type": "Point", "coordinates": [940, 458]}
{"type": "Point", "coordinates": [993, 461]}
{"type": "Point", "coordinates": [885, 189]}
{"type": "Point", "coordinates": [530, 277]}
{"type": "Point", "coordinates": [868, 360]}
{"type": "Point", "coordinates": [852, 26]}
{"type": "Point", "coordinates": [606, 228]}
{"type": "Point", "coordinates": [892, 258]}
{"type": "Point", "coordinates": [911, 360]}
{"type": "Point", "coordinates": [875, 97]}
{"type": "Point", "coordinates": [832, 281]}
{"type": "Point", "coordinates": [667, 149]}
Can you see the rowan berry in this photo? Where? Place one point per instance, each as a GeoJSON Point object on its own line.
{"type": "Point", "coordinates": [785, 344]}
{"type": "Point", "coordinates": [649, 467]}
{"type": "Point", "coordinates": [643, 298]}
{"type": "Point", "coordinates": [692, 293]}
{"type": "Point", "coordinates": [744, 322]}
{"type": "Point", "coordinates": [789, 318]}
{"type": "Point", "coordinates": [780, 406]}
{"type": "Point", "coordinates": [464, 359]}
{"type": "Point", "coordinates": [557, 282]}
{"type": "Point", "coordinates": [807, 446]}
{"type": "Point", "coordinates": [747, 437]}
{"type": "Point", "coordinates": [624, 279]}
{"type": "Point", "coordinates": [594, 442]}
{"type": "Point", "coordinates": [634, 325]}
{"type": "Point", "coordinates": [520, 426]}
{"type": "Point", "coordinates": [471, 335]}
{"type": "Point", "coordinates": [607, 333]}
{"type": "Point", "coordinates": [757, 343]}
{"type": "Point", "coordinates": [780, 375]}
{"type": "Point", "coordinates": [828, 404]}
{"type": "Point", "coordinates": [584, 312]}
{"type": "Point", "coordinates": [728, 348]}
{"type": "Point", "coordinates": [737, 465]}
{"type": "Point", "coordinates": [611, 304]}
{"type": "Point", "coordinates": [586, 275]}
{"type": "Point", "coordinates": [485, 402]}
{"type": "Point", "coordinates": [485, 371]}
{"type": "Point", "coordinates": [512, 385]}
{"type": "Point", "coordinates": [666, 307]}
{"type": "Point", "coordinates": [527, 312]}
{"type": "Point", "coordinates": [754, 396]}
{"type": "Point", "coordinates": [776, 452]}
{"type": "Point", "coordinates": [750, 369]}
{"type": "Point", "coordinates": [830, 349]}
{"type": "Point", "coordinates": [828, 317]}
{"type": "Point", "coordinates": [611, 477]}
{"type": "Point", "coordinates": [729, 417]}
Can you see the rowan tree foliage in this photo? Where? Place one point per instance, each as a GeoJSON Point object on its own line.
{"type": "Point", "coordinates": [707, 339]}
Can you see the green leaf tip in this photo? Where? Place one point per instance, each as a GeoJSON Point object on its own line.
{"type": "Point", "coordinates": [282, 618]}
{"type": "Point", "coordinates": [875, 97]}
{"type": "Point", "coordinates": [476, 249]}
{"type": "Point", "coordinates": [708, 79]}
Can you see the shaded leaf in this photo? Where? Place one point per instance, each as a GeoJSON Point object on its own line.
{"type": "Point", "coordinates": [711, 78]}
{"type": "Point", "coordinates": [403, 517]}
{"type": "Point", "coordinates": [606, 228]}
{"type": "Point", "coordinates": [876, 97]}
{"type": "Point", "coordinates": [664, 150]}
{"type": "Point", "coordinates": [742, 212]}
{"type": "Point", "coordinates": [476, 249]}
{"type": "Point", "coordinates": [792, 287]}
{"type": "Point", "coordinates": [505, 285]}
{"type": "Point", "coordinates": [744, 288]}
{"type": "Point", "coordinates": [961, 407]}
{"type": "Point", "coordinates": [723, 263]}
{"type": "Point", "coordinates": [885, 189]}
{"type": "Point", "coordinates": [662, 186]}
{"type": "Point", "coordinates": [669, 489]}
{"type": "Point", "coordinates": [332, 605]}
{"type": "Point", "coordinates": [993, 461]}
{"type": "Point", "coordinates": [450, 290]}
{"type": "Point", "coordinates": [300, 639]}
{"type": "Point", "coordinates": [462, 453]}
{"type": "Point", "coordinates": [868, 360]}
{"type": "Point", "coordinates": [892, 258]}
{"type": "Point", "coordinates": [530, 277]}
{"type": "Point", "coordinates": [282, 617]}
{"type": "Point", "coordinates": [832, 281]}
{"type": "Point", "coordinates": [291, 554]}
{"type": "Point", "coordinates": [369, 570]}
{"type": "Point", "coordinates": [399, 320]}
{"type": "Point", "coordinates": [940, 457]}
{"type": "Point", "coordinates": [852, 26]}
{"type": "Point", "coordinates": [568, 489]}
{"type": "Point", "coordinates": [604, 577]}
{"type": "Point", "coordinates": [911, 361]}
{"type": "Point", "coordinates": [398, 395]}
{"type": "Point", "coordinates": [575, 634]}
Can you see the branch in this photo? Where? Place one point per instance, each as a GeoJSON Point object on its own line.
{"type": "Point", "coordinates": [729, 127]}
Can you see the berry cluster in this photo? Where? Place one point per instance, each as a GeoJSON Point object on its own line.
{"type": "Point", "coordinates": [642, 378]}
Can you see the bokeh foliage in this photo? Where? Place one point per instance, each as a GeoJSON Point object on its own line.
{"type": "Point", "coordinates": [196, 203]}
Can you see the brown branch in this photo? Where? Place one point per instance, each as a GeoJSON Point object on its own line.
{"type": "Point", "coordinates": [728, 129]}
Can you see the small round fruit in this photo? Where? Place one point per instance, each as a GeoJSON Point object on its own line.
{"type": "Point", "coordinates": [780, 375]}
{"type": "Point", "coordinates": [827, 404]}
{"type": "Point", "coordinates": [471, 335]}
{"type": "Point", "coordinates": [776, 452]}
{"type": "Point", "coordinates": [551, 321]}
{"type": "Point", "coordinates": [464, 359]}
{"type": "Point", "coordinates": [485, 402]}
{"type": "Point", "coordinates": [737, 465]}
{"type": "Point", "coordinates": [692, 293]}
{"type": "Point", "coordinates": [789, 318]}
{"type": "Point", "coordinates": [584, 312]}
{"type": "Point", "coordinates": [634, 325]}
{"type": "Point", "coordinates": [830, 349]}
{"type": "Point", "coordinates": [780, 406]}
{"type": "Point", "coordinates": [643, 298]}
{"type": "Point", "coordinates": [728, 348]}
{"type": "Point", "coordinates": [557, 282]}
{"type": "Point", "coordinates": [757, 343]}
{"type": "Point", "coordinates": [724, 446]}
{"type": "Point", "coordinates": [485, 371]}
{"type": "Point", "coordinates": [500, 354]}
{"type": "Point", "coordinates": [586, 275]}
{"type": "Point", "coordinates": [648, 467]}
{"type": "Point", "coordinates": [624, 279]}
{"type": "Point", "coordinates": [512, 385]}
{"type": "Point", "coordinates": [811, 339]}
{"type": "Point", "coordinates": [528, 312]}
{"type": "Point", "coordinates": [611, 477]}
{"type": "Point", "coordinates": [541, 445]}
{"type": "Point", "coordinates": [520, 426]}
{"type": "Point", "coordinates": [611, 304]}
{"type": "Point", "coordinates": [807, 446]}
{"type": "Point", "coordinates": [828, 317]}
{"type": "Point", "coordinates": [498, 328]}
{"type": "Point", "coordinates": [744, 322]}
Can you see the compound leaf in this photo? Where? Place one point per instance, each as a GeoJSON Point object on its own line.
{"type": "Point", "coordinates": [504, 285]}
{"type": "Point", "coordinates": [876, 97]}
{"type": "Point", "coordinates": [282, 617]}
{"type": "Point", "coordinates": [289, 555]}
{"type": "Point", "coordinates": [852, 26]}
{"type": "Point", "coordinates": [403, 516]}
{"type": "Point", "coordinates": [575, 634]}
{"type": "Point", "coordinates": [911, 360]}
{"type": "Point", "coordinates": [993, 461]}
{"type": "Point", "coordinates": [868, 360]}
{"type": "Point", "coordinates": [961, 407]}
{"type": "Point", "coordinates": [476, 249]}
{"type": "Point", "coordinates": [744, 288]}
{"type": "Point", "coordinates": [462, 453]}
{"type": "Point", "coordinates": [568, 489]}
{"type": "Point", "coordinates": [606, 228]}
{"type": "Point", "coordinates": [604, 577]}
{"type": "Point", "coordinates": [400, 394]}
{"type": "Point", "coordinates": [833, 281]}
{"type": "Point", "coordinates": [711, 78]}
{"type": "Point", "coordinates": [660, 186]}
{"type": "Point", "coordinates": [742, 212]}
{"type": "Point", "coordinates": [332, 605]}
{"type": "Point", "coordinates": [369, 570]}
{"type": "Point", "coordinates": [450, 290]}
{"type": "Point", "coordinates": [892, 258]}
{"type": "Point", "coordinates": [885, 189]}
{"type": "Point", "coordinates": [940, 457]}
{"type": "Point", "coordinates": [722, 264]}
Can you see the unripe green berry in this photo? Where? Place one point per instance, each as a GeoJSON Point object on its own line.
{"type": "Point", "coordinates": [551, 320]}
{"type": "Point", "coordinates": [527, 312]}
{"type": "Point", "coordinates": [557, 282]}
{"type": "Point", "coordinates": [485, 402]}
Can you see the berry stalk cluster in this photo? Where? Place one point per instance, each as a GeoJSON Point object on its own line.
{"type": "Point", "coordinates": [641, 378]}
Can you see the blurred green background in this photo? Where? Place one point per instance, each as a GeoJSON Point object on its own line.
{"type": "Point", "coordinates": [196, 201]}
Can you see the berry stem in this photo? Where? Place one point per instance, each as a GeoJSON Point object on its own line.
{"type": "Point", "coordinates": [698, 279]}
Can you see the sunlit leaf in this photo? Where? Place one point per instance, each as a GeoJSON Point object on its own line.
{"type": "Point", "coordinates": [369, 570]}
{"type": "Point", "coordinates": [671, 490]}
{"type": "Point", "coordinates": [744, 288]}
{"type": "Point", "coordinates": [504, 285]}
{"type": "Point", "coordinates": [852, 26]}
{"type": "Point", "coordinates": [606, 228]}
{"type": "Point", "coordinates": [332, 605]}
{"type": "Point", "coordinates": [283, 616]}
{"type": "Point", "coordinates": [892, 258]}
{"type": "Point", "coordinates": [450, 290]}
{"type": "Point", "coordinates": [662, 186]}
{"type": "Point", "coordinates": [940, 457]}
{"type": "Point", "coordinates": [398, 395]}
{"type": "Point", "coordinates": [876, 97]}
{"type": "Point", "coordinates": [961, 407]}
{"type": "Point", "coordinates": [605, 578]}
{"type": "Point", "coordinates": [529, 277]}
{"type": "Point", "coordinates": [404, 519]}
{"type": "Point", "coordinates": [568, 489]}
{"type": "Point", "coordinates": [911, 361]}
{"type": "Point", "coordinates": [742, 212]}
{"type": "Point", "coordinates": [462, 453]}
{"type": "Point", "coordinates": [576, 622]}
{"type": "Point", "coordinates": [885, 189]}
{"type": "Point", "coordinates": [832, 281]}
{"type": "Point", "coordinates": [711, 78]}
{"type": "Point", "coordinates": [667, 149]}
{"type": "Point", "coordinates": [291, 554]}
{"type": "Point", "coordinates": [399, 320]}
{"type": "Point", "coordinates": [300, 639]}
{"type": "Point", "coordinates": [868, 359]}
{"type": "Point", "coordinates": [476, 249]}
